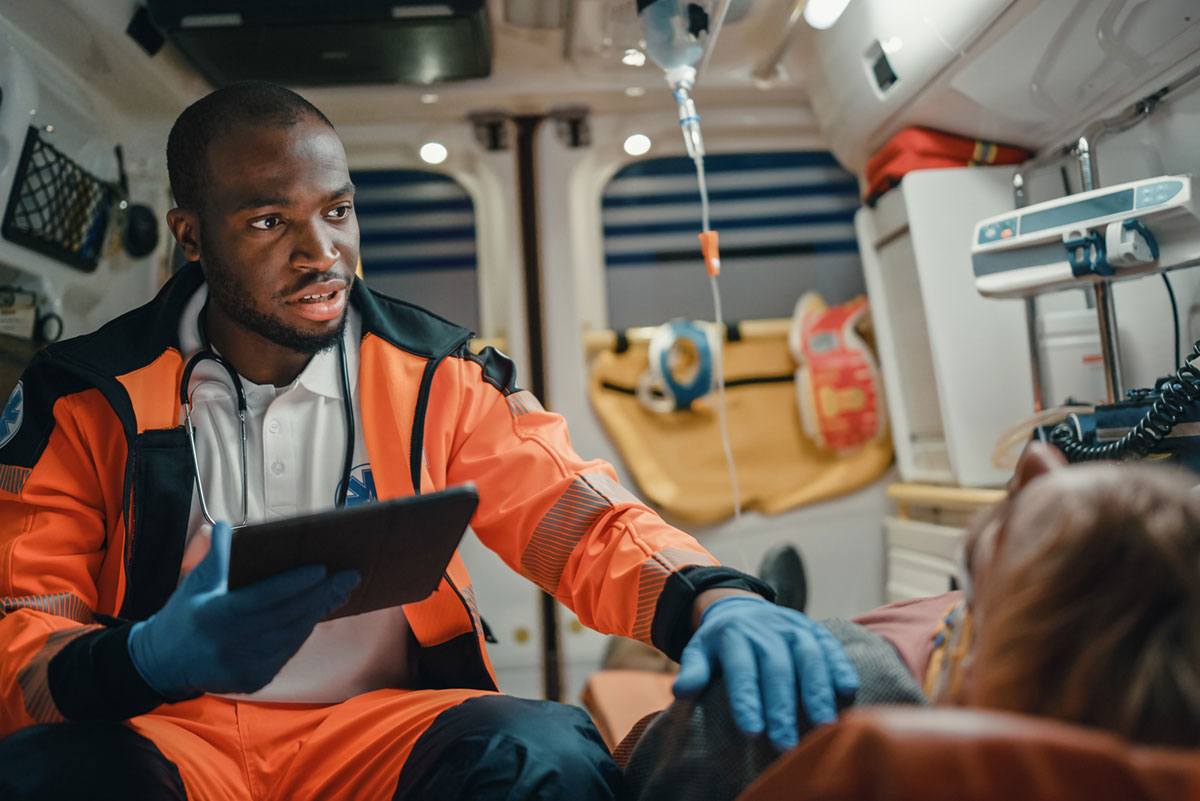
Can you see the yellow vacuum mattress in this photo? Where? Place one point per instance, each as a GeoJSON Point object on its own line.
{"type": "Point", "coordinates": [677, 458]}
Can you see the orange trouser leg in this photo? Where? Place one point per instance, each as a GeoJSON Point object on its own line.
{"type": "Point", "coordinates": [357, 750]}
{"type": "Point", "coordinates": [201, 738]}
{"type": "Point", "coordinates": [239, 751]}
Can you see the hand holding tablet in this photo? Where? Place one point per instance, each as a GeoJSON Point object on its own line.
{"type": "Point", "coordinates": [400, 547]}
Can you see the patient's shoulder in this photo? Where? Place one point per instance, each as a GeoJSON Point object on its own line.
{"type": "Point", "coordinates": [909, 626]}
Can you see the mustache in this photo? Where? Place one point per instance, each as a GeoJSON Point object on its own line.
{"type": "Point", "coordinates": [309, 279]}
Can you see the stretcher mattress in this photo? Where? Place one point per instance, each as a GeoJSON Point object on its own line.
{"type": "Point", "coordinates": [677, 459]}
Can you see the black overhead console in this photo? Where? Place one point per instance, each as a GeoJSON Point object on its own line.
{"type": "Point", "coordinates": [323, 43]}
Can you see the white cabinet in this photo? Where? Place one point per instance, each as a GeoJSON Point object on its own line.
{"type": "Point", "coordinates": [922, 538]}
{"type": "Point", "coordinates": [955, 364]}
{"type": "Point", "coordinates": [920, 557]}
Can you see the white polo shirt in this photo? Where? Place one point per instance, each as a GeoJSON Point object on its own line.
{"type": "Point", "coordinates": [295, 450]}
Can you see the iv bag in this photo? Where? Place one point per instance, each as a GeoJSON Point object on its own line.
{"type": "Point", "coordinates": [672, 29]}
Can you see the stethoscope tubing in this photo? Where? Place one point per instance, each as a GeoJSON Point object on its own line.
{"type": "Point", "coordinates": [185, 400]}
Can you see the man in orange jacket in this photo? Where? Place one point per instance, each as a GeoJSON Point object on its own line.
{"type": "Point", "coordinates": [130, 670]}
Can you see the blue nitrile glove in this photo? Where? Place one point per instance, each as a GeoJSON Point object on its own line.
{"type": "Point", "coordinates": [767, 652]}
{"type": "Point", "coordinates": [208, 639]}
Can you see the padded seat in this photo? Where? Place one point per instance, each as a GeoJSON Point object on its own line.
{"type": "Point", "coordinates": [926, 754]}
{"type": "Point", "coordinates": [951, 754]}
{"type": "Point", "coordinates": [619, 699]}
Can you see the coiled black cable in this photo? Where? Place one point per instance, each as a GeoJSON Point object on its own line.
{"type": "Point", "coordinates": [1175, 394]}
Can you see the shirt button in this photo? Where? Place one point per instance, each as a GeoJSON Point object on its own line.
{"type": "Point", "coordinates": [274, 426]}
{"type": "Point", "coordinates": [277, 468]}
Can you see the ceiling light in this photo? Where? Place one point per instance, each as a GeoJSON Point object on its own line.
{"type": "Point", "coordinates": [821, 14]}
{"type": "Point", "coordinates": [633, 57]}
{"type": "Point", "coordinates": [637, 145]}
{"type": "Point", "coordinates": [433, 152]}
{"type": "Point", "coordinates": [429, 98]}
{"type": "Point", "coordinates": [634, 91]}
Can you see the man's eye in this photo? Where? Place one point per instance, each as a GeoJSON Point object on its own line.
{"type": "Point", "coordinates": [339, 213]}
{"type": "Point", "coordinates": [266, 223]}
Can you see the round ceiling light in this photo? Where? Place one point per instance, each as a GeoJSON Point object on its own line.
{"type": "Point", "coordinates": [822, 14]}
{"type": "Point", "coordinates": [433, 153]}
{"type": "Point", "coordinates": [637, 145]}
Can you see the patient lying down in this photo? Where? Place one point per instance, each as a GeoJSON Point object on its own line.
{"type": "Point", "coordinates": [1080, 602]}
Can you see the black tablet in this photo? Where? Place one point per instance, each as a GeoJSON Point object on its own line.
{"type": "Point", "coordinates": [401, 547]}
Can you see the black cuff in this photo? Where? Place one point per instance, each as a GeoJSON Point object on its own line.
{"type": "Point", "coordinates": [672, 627]}
{"type": "Point", "coordinates": [94, 678]}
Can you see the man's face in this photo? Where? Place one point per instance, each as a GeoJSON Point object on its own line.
{"type": "Point", "coordinates": [277, 232]}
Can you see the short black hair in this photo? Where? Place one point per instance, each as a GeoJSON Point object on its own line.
{"type": "Point", "coordinates": [242, 103]}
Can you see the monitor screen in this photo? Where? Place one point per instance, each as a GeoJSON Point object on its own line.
{"type": "Point", "coordinates": [1101, 206]}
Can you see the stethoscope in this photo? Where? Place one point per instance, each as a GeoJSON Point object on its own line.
{"type": "Point", "coordinates": [208, 354]}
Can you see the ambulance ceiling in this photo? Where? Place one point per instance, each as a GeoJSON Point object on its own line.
{"type": "Point", "coordinates": [545, 54]}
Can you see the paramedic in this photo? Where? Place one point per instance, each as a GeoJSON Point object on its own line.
{"type": "Point", "coordinates": [128, 668]}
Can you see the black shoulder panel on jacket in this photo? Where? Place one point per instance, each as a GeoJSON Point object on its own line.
{"type": "Point", "coordinates": [407, 326]}
{"type": "Point", "coordinates": [93, 360]}
{"type": "Point", "coordinates": [28, 417]}
{"type": "Point", "coordinates": [498, 368]}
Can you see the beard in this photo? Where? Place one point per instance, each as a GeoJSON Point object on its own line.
{"type": "Point", "coordinates": [228, 291]}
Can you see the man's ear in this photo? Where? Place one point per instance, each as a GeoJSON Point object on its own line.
{"type": "Point", "coordinates": [185, 227]}
{"type": "Point", "coordinates": [1037, 459]}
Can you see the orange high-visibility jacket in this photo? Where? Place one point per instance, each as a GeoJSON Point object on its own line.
{"type": "Point", "coordinates": [96, 484]}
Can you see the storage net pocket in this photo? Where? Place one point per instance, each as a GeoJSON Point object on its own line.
{"type": "Point", "coordinates": [57, 208]}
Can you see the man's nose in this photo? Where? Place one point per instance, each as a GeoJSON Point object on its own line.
{"type": "Point", "coordinates": [315, 248]}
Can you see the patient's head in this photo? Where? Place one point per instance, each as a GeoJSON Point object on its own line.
{"type": "Point", "coordinates": [1086, 601]}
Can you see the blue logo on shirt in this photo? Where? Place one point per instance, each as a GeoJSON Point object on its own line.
{"type": "Point", "coordinates": [14, 413]}
{"type": "Point", "coordinates": [362, 486]}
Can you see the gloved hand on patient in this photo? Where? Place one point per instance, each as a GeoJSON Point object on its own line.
{"type": "Point", "coordinates": [208, 639]}
{"type": "Point", "coordinates": [766, 653]}
{"type": "Point", "coordinates": [693, 751]}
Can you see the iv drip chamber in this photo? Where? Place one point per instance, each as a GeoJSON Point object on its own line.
{"type": "Point", "coordinates": [672, 30]}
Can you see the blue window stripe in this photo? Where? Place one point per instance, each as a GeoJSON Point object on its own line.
{"type": "Point", "coordinates": [729, 162]}
{"type": "Point", "coordinates": [366, 208]}
{"type": "Point", "coordinates": [789, 220]}
{"type": "Point", "coordinates": [399, 178]}
{"type": "Point", "coordinates": [650, 258]}
{"type": "Point", "coordinates": [393, 236]}
{"type": "Point", "coordinates": [846, 189]}
{"type": "Point", "coordinates": [418, 265]}
{"type": "Point", "coordinates": [400, 192]}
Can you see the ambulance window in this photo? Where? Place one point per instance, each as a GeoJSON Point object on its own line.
{"type": "Point", "coordinates": [786, 226]}
{"type": "Point", "coordinates": [418, 240]}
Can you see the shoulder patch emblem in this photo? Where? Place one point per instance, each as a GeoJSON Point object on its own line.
{"type": "Point", "coordinates": [13, 415]}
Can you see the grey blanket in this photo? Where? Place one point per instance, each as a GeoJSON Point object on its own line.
{"type": "Point", "coordinates": [694, 752]}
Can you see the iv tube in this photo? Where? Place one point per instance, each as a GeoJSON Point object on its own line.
{"type": "Point", "coordinates": [689, 122]}
{"type": "Point", "coordinates": [722, 422]}
{"type": "Point", "coordinates": [674, 46]}
{"type": "Point", "coordinates": [700, 179]}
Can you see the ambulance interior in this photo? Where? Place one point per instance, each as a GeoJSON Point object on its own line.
{"type": "Point", "coordinates": [521, 170]}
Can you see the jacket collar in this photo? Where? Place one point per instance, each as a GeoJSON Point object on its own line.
{"type": "Point", "coordinates": [406, 326]}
